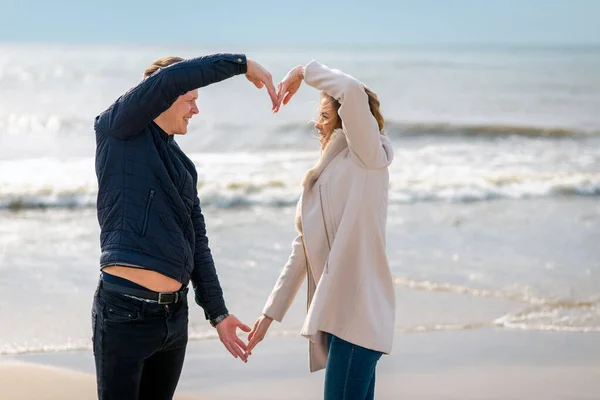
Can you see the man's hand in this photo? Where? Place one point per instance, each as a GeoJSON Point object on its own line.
{"type": "Point", "coordinates": [289, 85]}
{"type": "Point", "coordinates": [260, 77]}
{"type": "Point", "coordinates": [227, 330]}
{"type": "Point", "coordinates": [261, 326]}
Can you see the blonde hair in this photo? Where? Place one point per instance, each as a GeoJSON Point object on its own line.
{"type": "Point", "coordinates": [374, 106]}
{"type": "Point", "coordinates": [160, 63]}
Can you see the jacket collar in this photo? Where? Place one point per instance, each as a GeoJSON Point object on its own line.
{"type": "Point", "coordinates": [336, 144]}
{"type": "Point", "coordinates": [163, 135]}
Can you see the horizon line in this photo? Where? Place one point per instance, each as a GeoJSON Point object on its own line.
{"type": "Point", "coordinates": [312, 45]}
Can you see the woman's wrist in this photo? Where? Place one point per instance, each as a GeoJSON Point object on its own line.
{"type": "Point", "coordinates": [268, 318]}
{"type": "Point", "coordinates": [300, 69]}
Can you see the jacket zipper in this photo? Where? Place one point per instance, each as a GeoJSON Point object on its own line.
{"type": "Point", "coordinates": [324, 226]}
{"type": "Point", "coordinates": [145, 225]}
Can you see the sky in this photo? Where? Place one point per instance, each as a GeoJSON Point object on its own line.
{"type": "Point", "coordinates": [305, 22]}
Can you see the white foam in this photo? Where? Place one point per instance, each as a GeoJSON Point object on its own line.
{"type": "Point", "coordinates": [432, 173]}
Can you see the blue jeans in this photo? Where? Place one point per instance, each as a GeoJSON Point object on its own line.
{"type": "Point", "coordinates": [350, 373]}
{"type": "Point", "coordinates": [138, 346]}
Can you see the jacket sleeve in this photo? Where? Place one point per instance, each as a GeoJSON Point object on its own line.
{"type": "Point", "coordinates": [288, 284]}
{"type": "Point", "coordinates": [359, 125]}
{"type": "Point", "coordinates": [205, 281]}
{"type": "Point", "coordinates": [131, 112]}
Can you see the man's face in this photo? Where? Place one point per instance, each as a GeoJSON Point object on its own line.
{"type": "Point", "coordinates": [175, 120]}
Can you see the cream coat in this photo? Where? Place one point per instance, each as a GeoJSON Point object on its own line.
{"type": "Point", "coordinates": [343, 211]}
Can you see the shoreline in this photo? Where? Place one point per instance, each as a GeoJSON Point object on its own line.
{"type": "Point", "coordinates": [466, 365]}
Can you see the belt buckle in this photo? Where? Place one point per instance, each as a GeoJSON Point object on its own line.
{"type": "Point", "coordinates": [161, 301]}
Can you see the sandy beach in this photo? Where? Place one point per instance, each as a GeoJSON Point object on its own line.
{"type": "Point", "coordinates": [27, 381]}
{"type": "Point", "coordinates": [481, 364]}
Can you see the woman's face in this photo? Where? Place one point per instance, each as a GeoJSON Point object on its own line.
{"type": "Point", "coordinates": [328, 117]}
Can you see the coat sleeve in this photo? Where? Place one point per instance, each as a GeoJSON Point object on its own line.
{"type": "Point", "coordinates": [359, 124]}
{"type": "Point", "coordinates": [289, 282]}
{"type": "Point", "coordinates": [130, 113]}
{"type": "Point", "coordinates": [205, 281]}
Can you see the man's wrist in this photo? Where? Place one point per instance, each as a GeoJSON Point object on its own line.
{"type": "Point", "coordinates": [218, 319]}
{"type": "Point", "coordinates": [248, 65]}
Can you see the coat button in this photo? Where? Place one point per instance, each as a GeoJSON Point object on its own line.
{"type": "Point", "coordinates": [239, 60]}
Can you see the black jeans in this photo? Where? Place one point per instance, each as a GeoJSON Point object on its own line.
{"type": "Point", "coordinates": [139, 347]}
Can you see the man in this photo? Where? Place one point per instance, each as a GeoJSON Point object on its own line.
{"type": "Point", "coordinates": [153, 237]}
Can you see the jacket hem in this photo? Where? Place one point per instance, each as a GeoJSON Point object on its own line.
{"type": "Point", "coordinates": [139, 260]}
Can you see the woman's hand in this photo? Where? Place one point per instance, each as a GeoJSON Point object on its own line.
{"type": "Point", "coordinates": [289, 86]}
{"type": "Point", "coordinates": [261, 326]}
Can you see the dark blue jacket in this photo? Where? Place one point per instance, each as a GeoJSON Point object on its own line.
{"type": "Point", "coordinates": [148, 206]}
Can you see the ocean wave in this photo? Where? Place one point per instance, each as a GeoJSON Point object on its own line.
{"type": "Point", "coordinates": [541, 313]}
{"type": "Point", "coordinates": [554, 318]}
{"type": "Point", "coordinates": [529, 321]}
{"type": "Point", "coordinates": [276, 193]}
{"type": "Point", "coordinates": [15, 349]}
{"type": "Point", "coordinates": [442, 327]}
{"type": "Point", "coordinates": [490, 294]}
{"type": "Point", "coordinates": [231, 196]}
{"type": "Point", "coordinates": [193, 336]}
{"type": "Point", "coordinates": [23, 124]}
{"type": "Point", "coordinates": [466, 129]}
{"type": "Point", "coordinates": [399, 128]}
{"type": "Point", "coordinates": [514, 187]}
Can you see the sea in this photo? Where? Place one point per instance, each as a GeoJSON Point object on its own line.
{"type": "Point", "coordinates": [494, 211]}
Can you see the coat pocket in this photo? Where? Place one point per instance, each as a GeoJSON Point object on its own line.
{"type": "Point", "coordinates": [147, 212]}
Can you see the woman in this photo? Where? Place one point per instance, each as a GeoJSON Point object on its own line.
{"type": "Point", "coordinates": [341, 220]}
